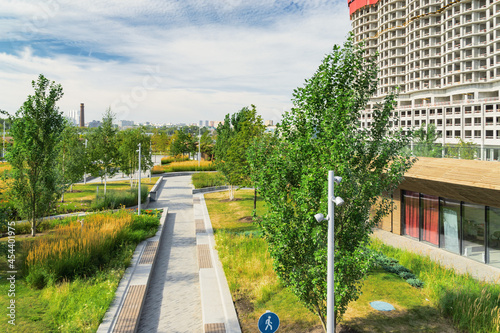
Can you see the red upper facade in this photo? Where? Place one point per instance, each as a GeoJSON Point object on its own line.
{"type": "Point", "coordinates": [354, 5]}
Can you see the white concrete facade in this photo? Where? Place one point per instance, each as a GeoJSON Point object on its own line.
{"type": "Point", "coordinates": [444, 57]}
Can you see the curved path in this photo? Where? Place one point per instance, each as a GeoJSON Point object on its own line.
{"type": "Point", "coordinates": [173, 301]}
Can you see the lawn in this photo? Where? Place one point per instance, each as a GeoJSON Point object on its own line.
{"type": "Point", "coordinates": [80, 199]}
{"type": "Point", "coordinates": [255, 287]}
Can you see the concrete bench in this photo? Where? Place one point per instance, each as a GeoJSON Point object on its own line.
{"type": "Point", "coordinates": [154, 190]}
{"type": "Point", "coordinates": [130, 314]}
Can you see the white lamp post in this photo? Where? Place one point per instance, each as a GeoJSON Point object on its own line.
{"type": "Point", "coordinates": [139, 184]}
{"type": "Point", "coordinates": [85, 168]}
{"type": "Point", "coordinates": [330, 297]}
{"type": "Point", "coordinates": [199, 147]}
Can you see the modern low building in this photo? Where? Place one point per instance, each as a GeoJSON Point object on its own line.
{"type": "Point", "coordinates": [444, 57]}
{"type": "Point", "coordinates": [451, 204]}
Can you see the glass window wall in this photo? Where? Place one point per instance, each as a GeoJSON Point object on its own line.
{"type": "Point", "coordinates": [494, 236]}
{"type": "Point", "coordinates": [463, 228]}
{"type": "Point", "coordinates": [430, 219]}
{"type": "Point", "coordinates": [412, 213]}
{"type": "Point", "coordinates": [450, 225]}
{"type": "Point", "coordinates": [473, 225]}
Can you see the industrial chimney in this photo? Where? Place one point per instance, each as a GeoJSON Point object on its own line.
{"type": "Point", "coordinates": [82, 115]}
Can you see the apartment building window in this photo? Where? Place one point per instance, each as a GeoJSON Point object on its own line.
{"type": "Point", "coordinates": [477, 134]}
{"type": "Point", "coordinates": [477, 121]}
{"type": "Point", "coordinates": [489, 134]}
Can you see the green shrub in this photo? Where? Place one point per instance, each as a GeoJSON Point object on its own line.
{"type": "Point", "coordinates": [393, 266]}
{"type": "Point", "coordinates": [116, 199]}
{"type": "Point", "coordinates": [415, 282]}
{"type": "Point", "coordinates": [168, 160]}
{"type": "Point", "coordinates": [208, 179]}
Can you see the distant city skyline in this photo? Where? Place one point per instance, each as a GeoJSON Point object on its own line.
{"type": "Point", "coordinates": [167, 61]}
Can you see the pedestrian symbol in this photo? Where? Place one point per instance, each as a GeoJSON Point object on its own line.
{"type": "Point", "coordinates": [269, 322]}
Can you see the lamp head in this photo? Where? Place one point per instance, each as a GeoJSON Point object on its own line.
{"type": "Point", "coordinates": [319, 217]}
{"type": "Point", "coordinates": [337, 179]}
{"type": "Point", "coordinates": [338, 201]}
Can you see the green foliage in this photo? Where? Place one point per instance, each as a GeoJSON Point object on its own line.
{"type": "Point", "coordinates": [474, 306]}
{"type": "Point", "coordinates": [71, 158]}
{"type": "Point", "coordinates": [36, 130]}
{"type": "Point", "coordinates": [207, 145]}
{"type": "Point", "coordinates": [160, 142]}
{"type": "Point", "coordinates": [321, 133]}
{"type": "Point", "coordinates": [182, 143]}
{"type": "Point", "coordinates": [115, 199]}
{"type": "Point", "coordinates": [392, 265]}
{"type": "Point", "coordinates": [234, 137]}
{"type": "Point", "coordinates": [463, 150]}
{"type": "Point", "coordinates": [208, 179]}
{"type": "Point", "coordinates": [424, 142]}
{"type": "Point", "coordinates": [128, 156]}
{"type": "Point", "coordinates": [102, 148]}
{"type": "Point", "coordinates": [168, 160]}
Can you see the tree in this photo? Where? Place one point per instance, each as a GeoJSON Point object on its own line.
{"type": "Point", "coordinates": [36, 129]}
{"type": "Point", "coordinates": [322, 133]}
{"type": "Point", "coordinates": [160, 141]}
{"type": "Point", "coordinates": [425, 139]}
{"type": "Point", "coordinates": [103, 149]}
{"type": "Point", "coordinates": [71, 158]}
{"type": "Point", "coordinates": [234, 137]}
{"type": "Point", "coordinates": [207, 144]}
{"type": "Point", "coordinates": [182, 143]}
{"type": "Point", "coordinates": [463, 150]}
{"type": "Point", "coordinates": [128, 142]}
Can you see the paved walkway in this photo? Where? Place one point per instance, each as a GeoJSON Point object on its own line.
{"type": "Point", "coordinates": [459, 263]}
{"type": "Point", "coordinates": [173, 300]}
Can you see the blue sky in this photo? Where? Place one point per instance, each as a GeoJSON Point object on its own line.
{"type": "Point", "coordinates": [167, 61]}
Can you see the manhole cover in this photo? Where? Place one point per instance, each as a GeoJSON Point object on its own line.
{"type": "Point", "coordinates": [382, 306]}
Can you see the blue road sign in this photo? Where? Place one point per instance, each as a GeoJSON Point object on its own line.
{"type": "Point", "coordinates": [269, 322]}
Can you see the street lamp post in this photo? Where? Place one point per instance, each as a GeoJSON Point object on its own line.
{"type": "Point", "coordinates": [139, 184]}
{"type": "Point", "coordinates": [199, 147]}
{"type": "Point", "coordinates": [330, 297]}
{"type": "Point", "coordinates": [85, 167]}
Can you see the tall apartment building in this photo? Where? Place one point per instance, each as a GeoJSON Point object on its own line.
{"type": "Point", "coordinates": [444, 56]}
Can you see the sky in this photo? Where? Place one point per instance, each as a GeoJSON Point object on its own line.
{"type": "Point", "coordinates": [166, 61]}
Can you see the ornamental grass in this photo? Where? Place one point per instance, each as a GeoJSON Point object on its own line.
{"type": "Point", "coordinates": [78, 249]}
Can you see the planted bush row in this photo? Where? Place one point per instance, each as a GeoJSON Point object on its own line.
{"type": "Point", "coordinates": [393, 266]}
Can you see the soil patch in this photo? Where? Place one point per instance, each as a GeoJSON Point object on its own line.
{"type": "Point", "coordinates": [228, 200]}
{"type": "Point", "coordinates": [346, 329]}
{"type": "Point", "coordinates": [243, 305]}
{"type": "Point", "coordinates": [246, 219]}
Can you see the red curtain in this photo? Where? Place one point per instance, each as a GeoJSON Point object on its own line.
{"type": "Point", "coordinates": [412, 213]}
{"type": "Point", "coordinates": [430, 219]}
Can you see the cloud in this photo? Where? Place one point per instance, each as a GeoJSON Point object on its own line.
{"type": "Point", "coordinates": [167, 61]}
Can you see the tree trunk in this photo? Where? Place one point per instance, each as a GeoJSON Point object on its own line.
{"type": "Point", "coordinates": [104, 185]}
{"type": "Point", "coordinates": [231, 192]}
{"type": "Point", "coordinates": [71, 190]}
{"type": "Point", "coordinates": [62, 197]}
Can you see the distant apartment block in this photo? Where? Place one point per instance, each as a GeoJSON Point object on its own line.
{"type": "Point", "coordinates": [268, 123]}
{"type": "Point", "coordinates": [125, 123]}
{"type": "Point", "coordinates": [94, 123]}
{"type": "Point", "coordinates": [443, 56]}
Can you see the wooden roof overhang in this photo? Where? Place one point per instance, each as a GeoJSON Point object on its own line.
{"type": "Point", "coordinates": [471, 181]}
